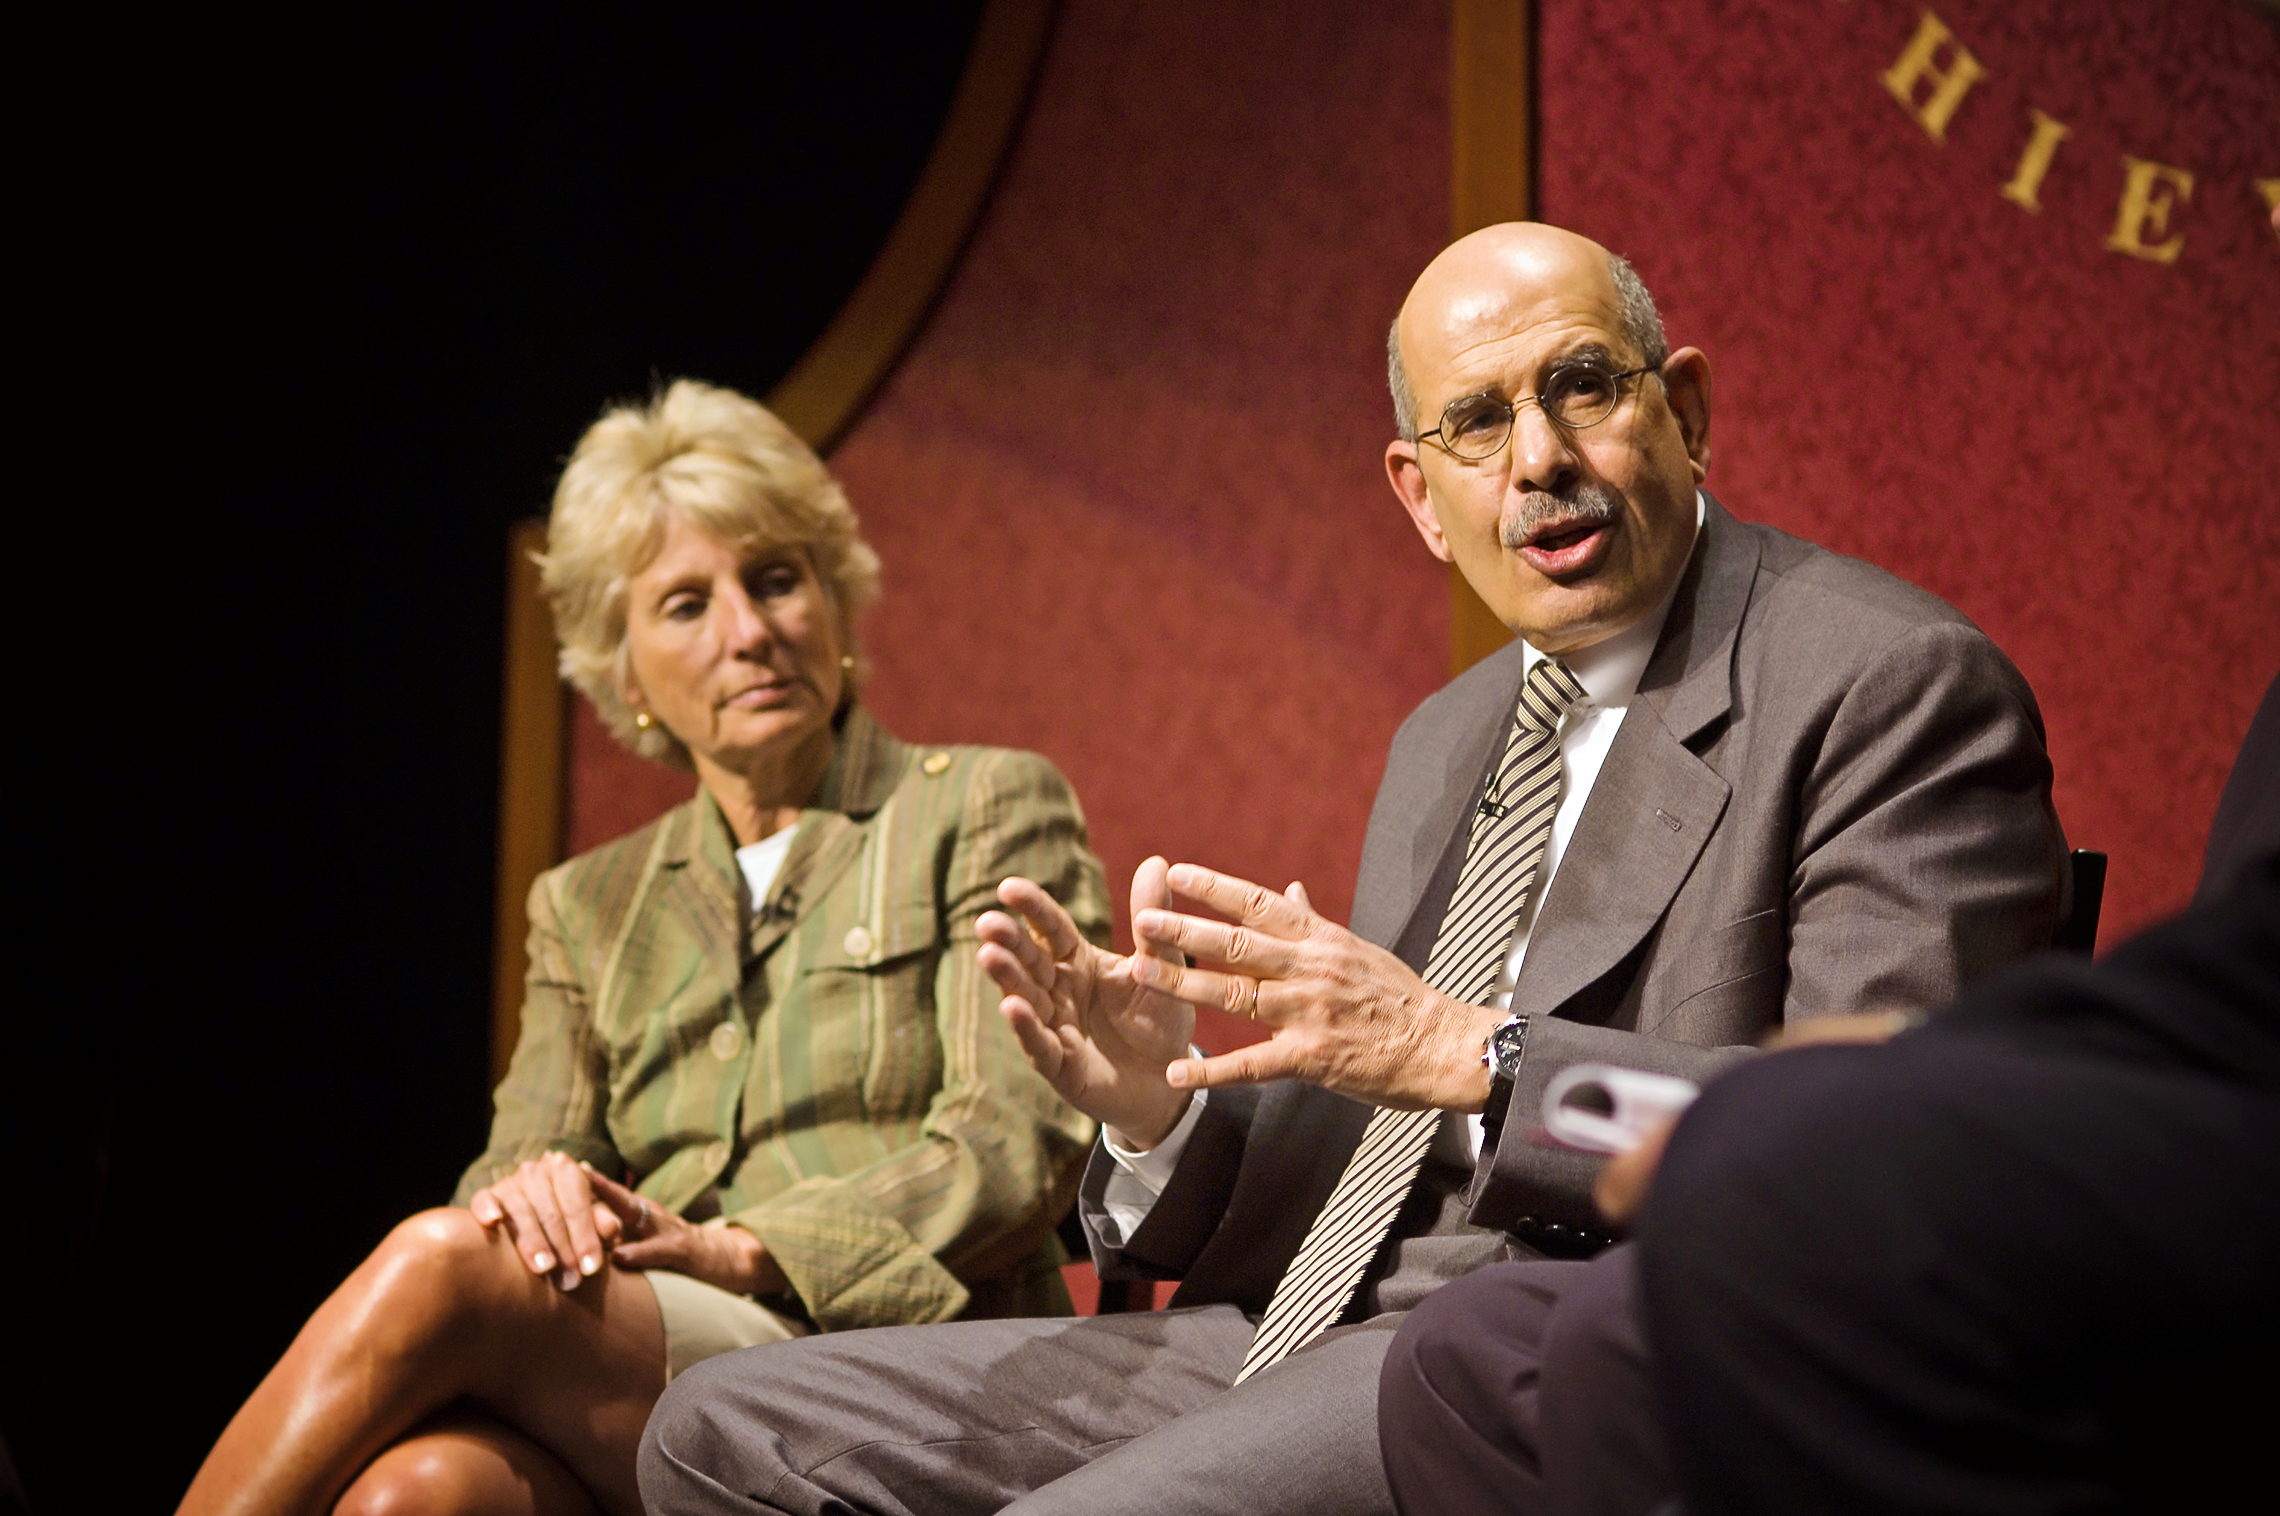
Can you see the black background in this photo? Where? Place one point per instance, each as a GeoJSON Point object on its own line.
{"type": "Point", "coordinates": [419, 256]}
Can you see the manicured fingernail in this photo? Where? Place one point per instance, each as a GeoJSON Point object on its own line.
{"type": "Point", "coordinates": [570, 1278]}
{"type": "Point", "coordinates": [589, 1264]}
{"type": "Point", "coordinates": [543, 1261]}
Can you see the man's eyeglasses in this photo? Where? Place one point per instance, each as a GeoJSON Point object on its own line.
{"type": "Point", "coordinates": [1475, 426]}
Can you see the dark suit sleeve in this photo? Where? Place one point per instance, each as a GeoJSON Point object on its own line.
{"type": "Point", "coordinates": [1184, 1217]}
{"type": "Point", "coordinates": [1923, 858]}
{"type": "Point", "coordinates": [1254, 1175]}
{"type": "Point", "coordinates": [1523, 1177]}
{"type": "Point", "coordinates": [2247, 825]}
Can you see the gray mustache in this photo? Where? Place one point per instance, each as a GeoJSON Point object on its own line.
{"type": "Point", "coordinates": [1585, 505]}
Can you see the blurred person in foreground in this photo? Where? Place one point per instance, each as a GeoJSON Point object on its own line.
{"type": "Point", "coordinates": [2021, 1258]}
{"type": "Point", "coordinates": [1723, 781]}
{"type": "Point", "coordinates": [2027, 1258]}
{"type": "Point", "coordinates": [762, 1088]}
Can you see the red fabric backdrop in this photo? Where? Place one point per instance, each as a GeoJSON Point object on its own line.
{"type": "Point", "coordinates": [2079, 448]}
{"type": "Point", "coordinates": [1127, 485]}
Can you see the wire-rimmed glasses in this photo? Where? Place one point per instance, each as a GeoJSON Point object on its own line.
{"type": "Point", "coordinates": [1475, 426]}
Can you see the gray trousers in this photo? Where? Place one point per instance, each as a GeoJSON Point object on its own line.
{"type": "Point", "coordinates": [1091, 1415]}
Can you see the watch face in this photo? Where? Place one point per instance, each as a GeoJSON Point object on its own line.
{"type": "Point", "coordinates": [1505, 1045]}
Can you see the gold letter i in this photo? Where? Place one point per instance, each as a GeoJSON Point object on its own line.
{"type": "Point", "coordinates": [2035, 161]}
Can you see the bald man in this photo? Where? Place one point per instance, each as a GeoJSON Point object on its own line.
{"type": "Point", "coordinates": [1722, 781]}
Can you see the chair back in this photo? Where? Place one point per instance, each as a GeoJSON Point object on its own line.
{"type": "Point", "coordinates": [2086, 871]}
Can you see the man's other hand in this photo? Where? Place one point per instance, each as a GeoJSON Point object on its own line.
{"type": "Point", "coordinates": [1850, 1026]}
{"type": "Point", "coordinates": [1097, 1032]}
{"type": "Point", "coordinates": [1340, 1012]}
{"type": "Point", "coordinates": [1623, 1183]}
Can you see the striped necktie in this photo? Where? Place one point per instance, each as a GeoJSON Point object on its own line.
{"type": "Point", "coordinates": [1502, 855]}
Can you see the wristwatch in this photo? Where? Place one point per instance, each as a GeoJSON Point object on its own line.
{"type": "Point", "coordinates": [1501, 1054]}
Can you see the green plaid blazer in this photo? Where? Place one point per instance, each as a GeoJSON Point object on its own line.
{"type": "Point", "coordinates": [829, 1071]}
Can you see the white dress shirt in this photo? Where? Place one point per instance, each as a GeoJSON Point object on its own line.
{"type": "Point", "coordinates": [1609, 673]}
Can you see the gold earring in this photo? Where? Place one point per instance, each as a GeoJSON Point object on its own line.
{"type": "Point", "coordinates": [847, 662]}
{"type": "Point", "coordinates": [641, 719]}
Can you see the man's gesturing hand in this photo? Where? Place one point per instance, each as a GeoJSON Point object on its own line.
{"type": "Point", "coordinates": [1096, 1032]}
{"type": "Point", "coordinates": [1341, 1012]}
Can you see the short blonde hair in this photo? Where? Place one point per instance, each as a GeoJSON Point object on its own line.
{"type": "Point", "coordinates": [726, 465]}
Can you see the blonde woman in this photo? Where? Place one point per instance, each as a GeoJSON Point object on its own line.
{"type": "Point", "coordinates": [762, 1088]}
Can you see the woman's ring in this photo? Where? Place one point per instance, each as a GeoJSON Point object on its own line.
{"type": "Point", "coordinates": [641, 1219]}
{"type": "Point", "coordinates": [1252, 1013]}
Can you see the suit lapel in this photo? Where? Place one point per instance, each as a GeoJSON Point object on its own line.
{"type": "Point", "coordinates": [1690, 679]}
{"type": "Point", "coordinates": [1654, 805]}
{"type": "Point", "coordinates": [865, 769]}
{"type": "Point", "coordinates": [827, 845]}
{"type": "Point", "coordinates": [699, 889]}
{"type": "Point", "coordinates": [1650, 813]}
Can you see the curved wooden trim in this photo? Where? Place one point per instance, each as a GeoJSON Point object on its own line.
{"type": "Point", "coordinates": [1492, 178]}
{"type": "Point", "coordinates": [534, 748]}
{"type": "Point", "coordinates": [833, 380]}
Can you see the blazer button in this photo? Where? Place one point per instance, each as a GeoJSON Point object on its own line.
{"type": "Point", "coordinates": [716, 1157]}
{"type": "Point", "coordinates": [858, 942]}
{"type": "Point", "coordinates": [727, 1041]}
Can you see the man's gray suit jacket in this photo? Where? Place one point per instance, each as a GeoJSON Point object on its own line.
{"type": "Point", "coordinates": [1829, 794]}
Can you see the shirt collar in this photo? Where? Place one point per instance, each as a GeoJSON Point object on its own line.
{"type": "Point", "coordinates": [1609, 671]}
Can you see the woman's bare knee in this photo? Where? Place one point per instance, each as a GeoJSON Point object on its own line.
{"type": "Point", "coordinates": [448, 1246]}
{"type": "Point", "coordinates": [416, 1478]}
{"type": "Point", "coordinates": [439, 1273]}
{"type": "Point", "coordinates": [461, 1465]}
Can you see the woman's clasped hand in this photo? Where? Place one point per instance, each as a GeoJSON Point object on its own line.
{"type": "Point", "coordinates": [567, 1219]}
